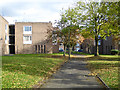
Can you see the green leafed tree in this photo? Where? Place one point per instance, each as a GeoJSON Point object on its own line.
{"type": "Point", "coordinates": [69, 34]}
{"type": "Point", "coordinates": [96, 19]}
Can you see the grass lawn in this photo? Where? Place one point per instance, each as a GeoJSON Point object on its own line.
{"type": "Point", "coordinates": [74, 52]}
{"type": "Point", "coordinates": [106, 66]}
{"type": "Point", "coordinates": [25, 70]}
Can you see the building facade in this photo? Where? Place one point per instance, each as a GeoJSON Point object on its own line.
{"type": "Point", "coordinates": [105, 45]}
{"type": "Point", "coordinates": [26, 38]}
{"type": "Point", "coordinates": [4, 36]}
{"type": "Point", "coordinates": [32, 37]}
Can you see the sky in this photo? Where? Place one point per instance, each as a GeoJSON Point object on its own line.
{"type": "Point", "coordinates": [33, 10]}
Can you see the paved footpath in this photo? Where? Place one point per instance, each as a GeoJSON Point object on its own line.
{"type": "Point", "coordinates": [72, 74]}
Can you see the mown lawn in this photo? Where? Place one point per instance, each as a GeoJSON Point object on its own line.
{"type": "Point", "coordinates": [106, 66]}
{"type": "Point", "coordinates": [24, 71]}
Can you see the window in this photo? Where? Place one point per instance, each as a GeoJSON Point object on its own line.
{"type": "Point", "coordinates": [77, 45]}
{"type": "Point", "coordinates": [5, 39]}
{"type": "Point", "coordinates": [36, 48]}
{"type": "Point", "coordinates": [81, 47]}
{"type": "Point", "coordinates": [44, 48]}
{"type": "Point", "coordinates": [27, 30]}
{"type": "Point", "coordinates": [77, 37]}
{"type": "Point", "coordinates": [54, 32]}
{"type": "Point", "coordinates": [54, 39]}
{"type": "Point", "coordinates": [41, 48]}
{"type": "Point", "coordinates": [6, 28]}
{"type": "Point", "coordinates": [99, 42]}
{"type": "Point", "coordinates": [106, 38]}
{"type": "Point", "coordinates": [27, 39]}
{"type": "Point", "coordinates": [61, 44]}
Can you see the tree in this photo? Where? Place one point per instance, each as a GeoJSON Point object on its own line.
{"type": "Point", "coordinates": [97, 19]}
{"type": "Point", "coordinates": [69, 34]}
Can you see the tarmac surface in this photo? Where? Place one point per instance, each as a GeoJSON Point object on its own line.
{"type": "Point", "coordinates": [73, 74]}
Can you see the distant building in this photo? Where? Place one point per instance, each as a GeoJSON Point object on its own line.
{"type": "Point", "coordinates": [87, 46]}
{"type": "Point", "coordinates": [105, 45]}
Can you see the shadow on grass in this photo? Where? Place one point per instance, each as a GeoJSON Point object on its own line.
{"type": "Point", "coordinates": [34, 65]}
{"type": "Point", "coordinates": [104, 58]}
{"type": "Point", "coordinates": [53, 56]}
{"type": "Point", "coordinates": [103, 62]}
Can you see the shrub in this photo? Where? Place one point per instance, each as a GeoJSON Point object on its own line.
{"type": "Point", "coordinates": [115, 52]}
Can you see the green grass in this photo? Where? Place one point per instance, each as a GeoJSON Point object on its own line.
{"type": "Point", "coordinates": [81, 53]}
{"type": "Point", "coordinates": [73, 52]}
{"type": "Point", "coordinates": [25, 70]}
{"type": "Point", "coordinates": [106, 66]}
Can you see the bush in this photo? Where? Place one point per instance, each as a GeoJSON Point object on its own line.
{"type": "Point", "coordinates": [115, 52]}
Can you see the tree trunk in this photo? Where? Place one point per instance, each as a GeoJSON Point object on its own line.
{"type": "Point", "coordinates": [64, 50]}
{"type": "Point", "coordinates": [73, 48]}
{"type": "Point", "coordinates": [70, 48]}
{"type": "Point", "coordinates": [96, 47]}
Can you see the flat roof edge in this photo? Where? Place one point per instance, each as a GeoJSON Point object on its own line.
{"type": "Point", "coordinates": [32, 22]}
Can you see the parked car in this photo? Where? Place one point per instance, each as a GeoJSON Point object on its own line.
{"type": "Point", "coordinates": [80, 50]}
{"type": "Point", "coordinates": [61, 50]}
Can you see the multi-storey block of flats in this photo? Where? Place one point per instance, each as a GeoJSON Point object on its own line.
{"type": "Point", "coordinates": [26, 38]}
{"type": "Point", "coordinates": [32, 37]}
{"type": "Point", "coordinates": [4, 36]}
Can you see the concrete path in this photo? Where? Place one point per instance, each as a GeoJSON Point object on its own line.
{"type": "Point", "coordinates": [72, 74]}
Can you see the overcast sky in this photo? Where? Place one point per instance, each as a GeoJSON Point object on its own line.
{"type": "Point", "coordinates": [33, 10]}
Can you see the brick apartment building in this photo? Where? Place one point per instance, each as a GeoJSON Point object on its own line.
{"type": "Point", "coordinates": [31, 37]}
{"type": "Point", "coordinates": [105, 45]}
{"type": "Point", "coordinates": [26, 38]}
{"type": "Point", "coordinates": [4, 36]}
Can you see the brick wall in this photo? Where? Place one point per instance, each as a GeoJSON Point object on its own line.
{"type": "Point", "coordinates": [3, 33]}
{"type": "Point", "coordinates": [39, 38]}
